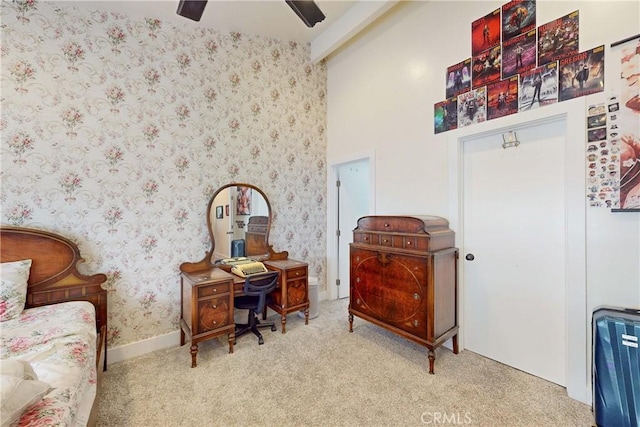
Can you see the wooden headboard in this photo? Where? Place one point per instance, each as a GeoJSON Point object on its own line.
{"type": "Point", "coordinates": [53, 277]}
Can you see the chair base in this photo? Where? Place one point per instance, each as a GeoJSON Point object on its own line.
{"type": "Point", "coordinates": [253, 326]}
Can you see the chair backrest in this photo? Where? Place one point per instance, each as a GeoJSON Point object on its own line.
{"type": "Point", "coordinates": [261, 285]}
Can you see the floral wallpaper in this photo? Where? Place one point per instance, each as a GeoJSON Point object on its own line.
{"type": "Point", "coordinates": [117, 131]}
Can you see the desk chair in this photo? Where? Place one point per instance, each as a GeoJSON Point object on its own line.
{"type": "Point", "coordinates": [255, 299]}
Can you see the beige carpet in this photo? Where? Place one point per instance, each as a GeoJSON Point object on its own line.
{"type": "Point", "coordinates": [322, 375]}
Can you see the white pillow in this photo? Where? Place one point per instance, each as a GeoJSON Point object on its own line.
{"type": "Point", "coordinates": [17, 395]}
{"type": "Point", "coordinates": [13, 288]}
{"type": "Point", "coordinates": [17, 368]}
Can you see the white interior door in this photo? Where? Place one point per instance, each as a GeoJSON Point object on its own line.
{"type": "Point", "coordinates": [514, 227]}
{"type": "Point", "coordinates": [353, 203]}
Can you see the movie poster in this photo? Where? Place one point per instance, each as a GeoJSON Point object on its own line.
{"type": "Point", "coordinates": [538, 87]}
{"type": "Point", "coordinates": [472, 107]}
{"type": "Point", "coordinates": [625, 125]}
{"type": "Point", "coordinates": [519, 54]}
{"type": "Point", "coordinates": [558, 39]}
{"type": "Point", "coordinates": [487, 67]}
{"type": "Point", "coordinates": [485, 32]}
{"type": "Point", "coordinates": [502, 98]}
{"type": "Point", "coordinates": [518, 17]}
{"type": "Point", "coordinates": [445, 115]}
{"type": "Point", "coordinates": [582, 74]}
{"type": "Point", "coordinates": [458, 78]}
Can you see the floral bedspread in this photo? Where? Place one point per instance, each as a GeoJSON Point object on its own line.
{"type": "Point", "coordinates": [59, 341]}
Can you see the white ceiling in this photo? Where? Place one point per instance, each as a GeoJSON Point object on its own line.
{"type": "Point", "coordinates": [271, 18]}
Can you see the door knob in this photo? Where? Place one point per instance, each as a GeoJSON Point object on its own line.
{"type": "Point", "coordinates": [469, 257]}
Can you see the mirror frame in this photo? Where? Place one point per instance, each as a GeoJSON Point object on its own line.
{"type": "Point", "coordinates": [207, 262]}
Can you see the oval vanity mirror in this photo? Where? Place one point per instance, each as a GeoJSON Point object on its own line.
{"type": "Point", "coordinates": [239, 221]}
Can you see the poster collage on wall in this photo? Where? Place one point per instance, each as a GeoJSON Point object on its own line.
{"type": "Point", "coordinates": [515, 66]}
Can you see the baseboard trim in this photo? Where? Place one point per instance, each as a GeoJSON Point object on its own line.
{"type": "Point", "coordinates": [128, 351]}
{"type": "Point", "coordinates": [139, 348]}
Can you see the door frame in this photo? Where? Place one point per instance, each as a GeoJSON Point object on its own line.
{"type": "Point", "coordinates": [578, 374]}
{"type": "Point", "coordinates": [332, 213]}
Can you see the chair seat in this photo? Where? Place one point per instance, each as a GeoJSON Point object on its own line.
{"type": "Point", "coordinates": [247, 302]}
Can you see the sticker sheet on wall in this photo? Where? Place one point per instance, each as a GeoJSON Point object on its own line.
{"type": "Point", "coordinates": [582, 74]}
{"type": "Point", "coordinates": [538, 87]}
{"type": "Point", "coordinates": [472, 107]}
{"type": "Point", "coordinates": [558, 38]}
{"type": "Point", "coordinates": [502, 98]}
{"type": "Point", "coordinates": [602, 159]}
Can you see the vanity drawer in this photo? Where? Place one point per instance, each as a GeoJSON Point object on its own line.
{"type": "Point", "coordinates": [210, 290]}
{"type": "Point", "coordinates": [296, 273]}
{"type": "Point", "coordinates": [214, 313]}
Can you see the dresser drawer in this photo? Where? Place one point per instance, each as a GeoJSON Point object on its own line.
{"type": "Point", "coordinates": [365, 238]}
{"type": "Point", "coordinates": [210, 290]}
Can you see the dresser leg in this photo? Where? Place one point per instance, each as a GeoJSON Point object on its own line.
{"type": "Point", "coordinates": [455, 344]}
{"type": "Point", "coordinates": [182, 337]}
{"type": "Point", "coordinates": [283, 320]}
{"type": "Point", "coordinates": [432, 359]}
{"type": "Point", "coordinates": [350, 322]}
{"type": "Point", "coordinates": [306, 316]}
{"type": "Point", "coordinates": [194, 354]}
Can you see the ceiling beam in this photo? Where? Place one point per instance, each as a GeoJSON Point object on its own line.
{"type": "Point", "coordinates": [347, 26]}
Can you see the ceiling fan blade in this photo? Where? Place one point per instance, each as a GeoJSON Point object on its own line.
{"type": "Point", "coordinates": [192, 9]}
{"type": "Point", "coordinates": [307, 10]}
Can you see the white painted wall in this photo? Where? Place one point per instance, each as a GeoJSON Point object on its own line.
{"type": "Point", "coordinates": [381, 89]}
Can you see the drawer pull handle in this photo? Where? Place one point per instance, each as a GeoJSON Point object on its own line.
{"type": "Point", "coordinates": [365, 239]}
{"type": "Point", "coordinates": [357, 280]}
{"type": "Point", "coordinates": [409, 243]}
{"type": "Point", "coordinates": [416, 323]}
{"type": "Point", "coordinates": [214, 306]}
{"type": "Point", "coordinates": [358, 301]}
{"type": "Point", "coordinates": [386, 225]}
{"type": "Point", "coordinates": [215, 290]}
{"type": "Point", "coordinates": [385, 241]}
{"type": "Point", "coordinates": [416, 296]}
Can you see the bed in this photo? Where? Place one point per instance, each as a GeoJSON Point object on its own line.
{"type": "Point", "coordinates": [53, 351]}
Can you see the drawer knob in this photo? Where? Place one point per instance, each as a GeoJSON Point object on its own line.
{"type": "Point", "coordinates": [365, 239]}
{"type": "Point", "coordinates": [416, 323]}
{"type": "Point", "coordinates": [409, 243]}
{"type": "Point", "coordinates": [215, 290]}
{"type": "Point", "coordinates": [214, 306]}
{"type": "Point", "coordinates": [385, 241]}
{"type": "Point", "coordinates": [357, 280]}
{"type": "Point", "coordinates": [386, 225]}
{"type": "Point", "coordinates": [358, 301]}
{"type": "Point", "coordinates": [416, 296]}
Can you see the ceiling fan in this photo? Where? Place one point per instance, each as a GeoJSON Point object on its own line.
{"type": "Point", "coordinates": [307, 10]}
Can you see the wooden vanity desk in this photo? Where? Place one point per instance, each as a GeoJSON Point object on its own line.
{"type": "Point", "coordinates": [207, 288]}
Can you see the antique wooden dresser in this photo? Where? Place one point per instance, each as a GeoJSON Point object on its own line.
{"type": "Point", "coordinates": [404, 278]}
